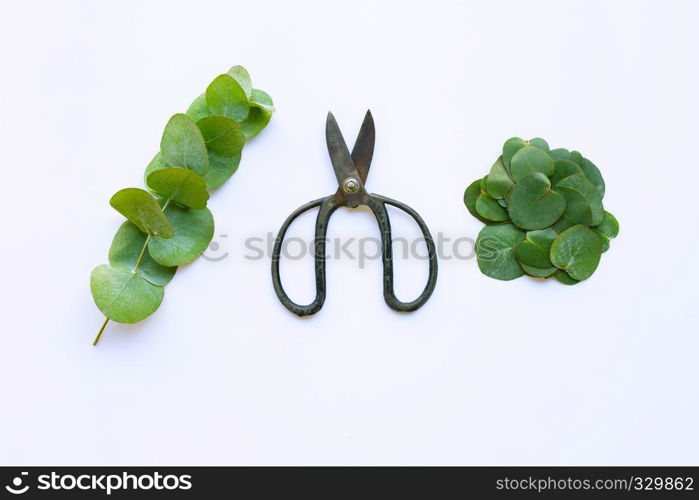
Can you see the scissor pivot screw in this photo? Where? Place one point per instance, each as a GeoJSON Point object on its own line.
{"type": "Point", "coordinates": [350, 185]}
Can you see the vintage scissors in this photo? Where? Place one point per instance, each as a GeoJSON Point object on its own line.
{"type": "Point", "coordinates": [351, 171]}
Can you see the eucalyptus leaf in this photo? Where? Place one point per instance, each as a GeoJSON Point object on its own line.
{"type": "Point", "coordinates": [609, 226]}
{"type": "Point", "coordinates": [220, 169]}
{"type": "Point", "coordinates": [242, 76]}
{"type": "Point", "coordinates": [562, 224]}
{"type": "Point", "coordinates": [563, 169]}
{"type": "Point", "coordinates": [577, 251]}
{"type": "Point", "coordinates": [538, 142]}
{"type": "Point", "coordinates": [499, 182]}
{"type": "Point", "coordinates": [528, 160]}
{"type": "Point", "coordinates": [607, 230]}
{"type": "Point", "coordinates": [495, 250]}
{"type": "Point", "coordinates": [509, 149]}
{"type": "Point", "coordinates": [183, 146]}
{"type": "Point", "coordinates": [143, 210]}
{"type": "Point", "coordinates": [222, 135]}
{"type": "Point", "coordinates": [193, 229]}
{"type": "Point", "coordinates": [199, 108]}
{"type": "Point", "coordinates": [593, 175]}
{"type": "Point", "coordinates": [124, 296]}
{"type": "Point", "coordinates": [560, 154]}
{"type": "Point", "coordinates": [535, 249]}
{"type": "Point", "coordinates": [225, 96]}
{"type": "Point", "coordinates": [489, 208]}
{"type": "Point", "coordinates": [576, 157]}
{"type": "Point", "coordinates": [180, 185]}
{"type": "Point", "coordinates": [262, 100]}
{"type": "Point", "coordinates": [536, 272]}
{"type": "Point", "coordinates": [157, 163]}
{"type": "Point", "coordinates": [484, 184]}
{"type": "Point", "coordinates": [533, 205]}
{"type": "Point", "coordinates": [128, 246]}
{"type": "Point", "coordinates": [564, 277]}
{"type": "Point", "coordinates": [473, 191]}
{"type": "Point", "coordinates": [583, 202]}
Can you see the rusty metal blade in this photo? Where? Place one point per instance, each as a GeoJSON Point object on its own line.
{"type": "Point", "coordinates": [363, 149]}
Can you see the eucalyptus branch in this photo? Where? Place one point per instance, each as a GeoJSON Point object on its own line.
{"type": "Point", "coordinates": [199, 151]}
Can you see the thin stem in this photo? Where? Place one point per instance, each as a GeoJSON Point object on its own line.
{"type": "Point", "coordinates": [140, 256]}
{"type": "Point", "coordinates": [135, 268]}
{"type": "Point", "coordinates": [99, 333]}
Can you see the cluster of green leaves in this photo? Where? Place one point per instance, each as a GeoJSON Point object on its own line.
{"type": "Point", "coordinates": [169, 224]}
{"type": "Point", "coordinates": [543, 213]}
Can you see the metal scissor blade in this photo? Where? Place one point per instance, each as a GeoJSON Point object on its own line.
{"type": "Point", "coordinates": [363, 149]}
{"type": "Point", "coordinates": [339, 153]}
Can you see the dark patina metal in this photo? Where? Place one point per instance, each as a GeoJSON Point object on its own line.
{"type": "Point", "coordinates": [351, 171]}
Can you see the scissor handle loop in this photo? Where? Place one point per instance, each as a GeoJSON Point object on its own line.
{"type": "Point", "coordinates": [377, 204]}
{"type": "Point", "coordinates": [327, 206]}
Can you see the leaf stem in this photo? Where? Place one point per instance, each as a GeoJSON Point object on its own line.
{"type": "Point", "coordinates": [99, 333]}
{"type": "Point", "coordinates": [140, 256]}
{"type": "Point", "coordinates": [135, 268]}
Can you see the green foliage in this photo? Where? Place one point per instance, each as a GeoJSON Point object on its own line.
{"type": "Point", "coordinates": [199, 151]}
{"type": "Point", "coordinates": [193, 232]}
{"type": "Point", "coordinates": [543, 212]}
{"type": "Point", "coordinates": [180, 185]}
{"type": "Point", "coordinates": [143, 210]}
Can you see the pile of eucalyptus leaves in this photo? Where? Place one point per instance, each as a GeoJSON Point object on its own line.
{"type": "Point", "coordinates": [543, 213]}
{"type": "Point", "coordinates": [168, 224]}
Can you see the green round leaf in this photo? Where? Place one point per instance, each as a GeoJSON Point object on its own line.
{"type": "Point", "coordinates": [257, 120]}
{"type": "Point", "coordinates": [180, 185]}
{"type": "Point", "coordinates": [126, 248]}
{"type": "Point", "coordinates": [535, 272]}
{"type": "Point", "coordinates": [609, 226]}
{"type": "Point", "coordinates": [534, 250]}
{"type": "Point", "coordinates": [226, 97]}
{"type": "Point", "coordinates": [489, 208]}
{"type": "Point", "coordinates": [528, 160]}
{"type": "Point", "coordinates": [223, 136]}
{"type": "Point", "coordinates": [473, 191]}
{"type": "Point", "coordinates": [220, 169]}
{"type": "Point", "coordinates": [593, 175]}
{"type": "Point", "coordinates": [583, 202]}
{"type": "Point", "coordinates": [576, 157]}
{"type": "Point", "coordinates": [495, 250]}
{"type": "Point", "coordinates": [563, 169]}
{"type": "Point", "coordinates": [509, 149]}
{"type": "Point", "coordinates": [183, 146]}
{"type": "Point", "coordinates": [198, 109]}
{"type": "Point", "coordinates": [577, 251]}
{"type": "Point", "coordinates": [499, 182]}
{"type": "Point", "coordinates": [562, 224]}
{"type": "Point", "coordinates": [194, 230]}
{"type": "Point", "coordinates": [560, 154]}
{"type": "Point", "coordinates": [564, 277]}
{"type": "Point", "coordinates": [538, 142]}
{"type": "Point", "coordinates": [157, 163]}
{"type": "Point", "coordinates": [532, 204]}
{"type": "Point", "coordinates": [608, 229]}
{"type": "Point", "coordinates": [142, 209]}
{"type": "Point", "coordinates": [124, 296]}
{"type": "Point", "coordinates": [484, 184]}
{"type": "Point", "coordinates": [261, 99]}
{"type": "Point", "coordinates": [242, 76]}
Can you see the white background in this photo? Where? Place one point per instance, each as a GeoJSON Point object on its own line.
{"type": "Point", "coordinates": [488, 372]}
